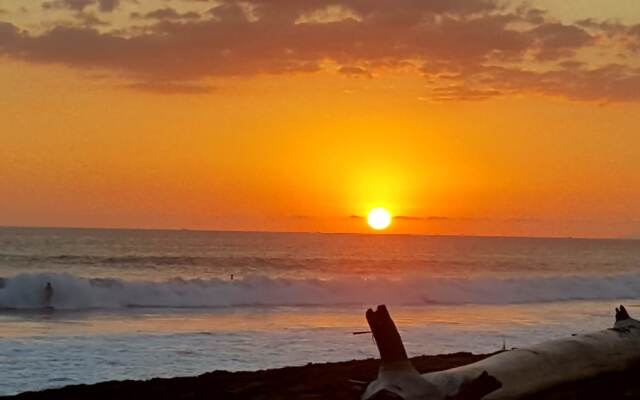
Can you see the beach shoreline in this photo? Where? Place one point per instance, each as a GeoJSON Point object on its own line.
{"type": "Point", "coordinates": [337, 380]}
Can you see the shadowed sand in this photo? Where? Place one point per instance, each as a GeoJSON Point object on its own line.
{"type": "Point", "coordinates": [313, 381]}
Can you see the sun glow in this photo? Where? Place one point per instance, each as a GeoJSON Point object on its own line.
{"type": "Point", "coordinates": [379, 218]}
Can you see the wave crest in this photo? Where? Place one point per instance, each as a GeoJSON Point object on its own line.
{"type": "Point", "coordinates": [24, 291]}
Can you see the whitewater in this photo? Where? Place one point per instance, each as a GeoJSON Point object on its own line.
{"type": "Point", "coordinates": [139, 304]}
{"type": "Point", "coordinates": [24, 291]}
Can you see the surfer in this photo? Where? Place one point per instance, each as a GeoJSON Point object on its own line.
{"type": "Point", "coordinates": [47, 295]}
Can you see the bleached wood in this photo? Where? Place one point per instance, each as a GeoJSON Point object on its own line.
{"type": "Point", "coordinates": [526, 371]}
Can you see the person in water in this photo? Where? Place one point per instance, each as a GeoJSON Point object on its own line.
{"type": "Point", "coordinates": [48, 295]}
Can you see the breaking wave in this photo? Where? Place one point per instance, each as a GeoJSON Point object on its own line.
{"type": "Point", "coordinates": [25, 291]}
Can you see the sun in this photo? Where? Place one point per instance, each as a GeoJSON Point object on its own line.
{"type": "Point", "coordinates": [379, 219]}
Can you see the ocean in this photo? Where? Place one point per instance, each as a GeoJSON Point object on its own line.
{"type": "Point", "coordinates": [137, 304]}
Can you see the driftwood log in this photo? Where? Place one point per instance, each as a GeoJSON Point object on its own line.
{"type": "Point", "coordinates": [386, 335]}
{"type": "Point", "coordinates": [513, 374]}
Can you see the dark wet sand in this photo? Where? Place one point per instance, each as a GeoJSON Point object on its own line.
{"type": "Point", "coordinates": [313, 381]}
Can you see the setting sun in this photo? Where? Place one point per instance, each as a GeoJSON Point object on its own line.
{"type": "Point", "coordinates": [379, 218]}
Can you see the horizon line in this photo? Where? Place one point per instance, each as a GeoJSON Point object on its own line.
{"type": "Point", "coordinates": [314, 232]}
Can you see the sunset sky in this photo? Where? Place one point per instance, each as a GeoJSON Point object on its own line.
{"type": "Point", "coordinates": [459, 116]}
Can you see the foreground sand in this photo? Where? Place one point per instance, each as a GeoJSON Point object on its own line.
{"type": "Point", "coordinates": [313, 381]}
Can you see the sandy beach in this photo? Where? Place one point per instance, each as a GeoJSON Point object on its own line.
{"type": "Point", "coordinates": [337, 381]}
{"type": "Point", "coordinates": [312, 381]}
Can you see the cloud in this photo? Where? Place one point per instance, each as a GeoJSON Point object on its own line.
{"type": "Point", "coordinates": [417, 218]}
{"type": "Point", "coordinates": [355, 71]}
{"type": "Point", "coordinates": [412, 218]}
{"type": "Point", "coordinates": [556, 40]}
{"type": "Point", "coordinates": [460, 92]}
{"type": "Point", "coordinates": [108, 5]}
{"type": "Point", "coordinates": [77, 5]}
{"type": "Point", "coordinates": [80, 5]}
{"type": "Point", "coordinates": [465, 49]}
{"type": "Point", "coordinates": [172, 87]}
{"type": "Point", "coordinates": [611, 82]}
{"type": "Point", "coordinates": [89, 19]}
{"type": "Point", "coordinates": [166, 13]}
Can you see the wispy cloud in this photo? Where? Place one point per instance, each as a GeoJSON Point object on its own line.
{"type": "Point", "coordinates": [441, 218]}
{"type": "Point", "coordinates": [166, 14]}
{"type": "Point", "coordinates": [80, 5]}
{"type": "Point", "coordinates": [417, 218]}
{"type": "Point", "coordinates": [172, 87]}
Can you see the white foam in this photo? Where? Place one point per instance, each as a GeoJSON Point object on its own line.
{"type": "Point", "coordinates": [24, 291]}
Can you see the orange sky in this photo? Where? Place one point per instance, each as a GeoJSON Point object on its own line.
{"type": "Point", "coordinates": [462, 117]}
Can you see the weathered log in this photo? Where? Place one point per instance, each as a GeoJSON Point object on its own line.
{"type": "Point", "coordinates": [511, 374]}
{"type": "Point", "coordinates": [396, 377]}
{"type": "Point", "coordinates": [386, 335]}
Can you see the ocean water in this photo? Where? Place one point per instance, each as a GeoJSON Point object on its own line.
{"type": "Point", "coordinates": [139, 304]}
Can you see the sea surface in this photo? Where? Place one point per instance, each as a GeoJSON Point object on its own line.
{"type": "Point", "coordinates": [135, 304]}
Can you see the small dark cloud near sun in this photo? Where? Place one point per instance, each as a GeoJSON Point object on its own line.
{"type": "Point", "coordinates": [409, 218]}
{"type": "Point", "coordinates": [417, 218]}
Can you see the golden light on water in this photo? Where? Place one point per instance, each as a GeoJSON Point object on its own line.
{"type": "Point", "coordinates": [379, 218]}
